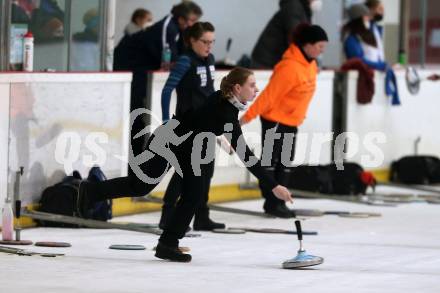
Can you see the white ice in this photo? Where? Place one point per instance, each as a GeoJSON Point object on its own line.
{"type": "Point", "coordinates": [398, 252]}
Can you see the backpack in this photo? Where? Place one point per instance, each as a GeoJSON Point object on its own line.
{"type": "Point", "coordinates": [416, 170]}
{"type": "Point", "coordinates": [61, 199]}
{"type": "Point", "coordinates": [327, 179]}
{"type": "Point", "coordinates": [311, 178]}
{"type": "Point", "coordinates": [352, 180]}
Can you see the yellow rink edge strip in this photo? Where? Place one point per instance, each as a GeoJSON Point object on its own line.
{"type": "Point", "coordinates": [219, 193]}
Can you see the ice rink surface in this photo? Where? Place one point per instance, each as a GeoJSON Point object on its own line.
{"type": "Point", "coordinates": [398, 252]}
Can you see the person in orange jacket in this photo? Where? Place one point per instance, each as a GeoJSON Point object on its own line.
{"type": "Point", "coordinates": [283, 104]}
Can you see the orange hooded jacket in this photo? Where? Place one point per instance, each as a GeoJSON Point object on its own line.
{"type": "Point", "coordinates": [291, 87]}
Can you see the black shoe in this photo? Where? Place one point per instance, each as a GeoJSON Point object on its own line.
{"type": "Point", "coordinates": [279, 210]}
{"type": "Point", "coordinates": [82, 200]}
{"type": "Point", "coordinates": [207, 225]}
{"type": "Point", "coordinates": [171, 253]}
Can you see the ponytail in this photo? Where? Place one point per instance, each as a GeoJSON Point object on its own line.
{"type": "Point", "coordinates": [238, 75]}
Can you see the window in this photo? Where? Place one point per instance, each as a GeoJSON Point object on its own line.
{"type": "Point", "coordinates": [67, 34]}
{"type": "Point", "coordinates": [47, 20]}
{"type": "Point", "coordinates": [422, 36]}
{"type": "Point", "coordinates": [85, 51]}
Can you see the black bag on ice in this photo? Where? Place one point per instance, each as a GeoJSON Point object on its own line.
{"type": "Point", "coordinates": [416, 170]}
{"type": "Point", "coordinates": [311, 178]}
{"type": "Point", "coordinates": [61, 199]}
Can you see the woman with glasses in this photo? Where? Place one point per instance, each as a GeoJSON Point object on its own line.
{"type": "Point", "coordinates": [193, 79]}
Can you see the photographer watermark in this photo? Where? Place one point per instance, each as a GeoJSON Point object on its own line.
{"type": "Point", "coordinates": [201, 149]}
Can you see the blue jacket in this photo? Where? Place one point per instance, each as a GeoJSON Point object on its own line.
{"type": "Point", "coordinates": [353, 49]}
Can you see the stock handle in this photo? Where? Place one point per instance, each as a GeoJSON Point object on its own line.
{"type": "Point", "coordinates": [299, 229]}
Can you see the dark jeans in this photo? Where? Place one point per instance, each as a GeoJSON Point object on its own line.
{"type": "Point", "coordinates": [193, 188]}
{"type": "Point", "coordinates": [138, 100]}
{"type": "Point", "coordinates": [276, 168]}
{"type": "Point", "coordinates": [174, 190]}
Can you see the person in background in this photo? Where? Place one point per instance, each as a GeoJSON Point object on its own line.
{"type": "Point", "coordinates": [365, 43]}
{"type": "Point", "coordinates": [360, 41]}
{"type": "Point", "coordinates": [140, 20]}
{"type": "Point", "coordinates": [283, 104]}
{"type": "Point", "coordinates": [377, 10]}
{"type": "Point", "coordinates": [275, 38]}
{"type": "Point", "coordinates": [21, 11]}
{"type": "Point", "coordinates": [193, 78]}
{"type": "Point", "coordinates": [47, 22]}
{"type": "Point", "coordinates": [142, 52]}
{"type": "Point", "coordinates": [376, 15]}
{"type": "Point", "coordinates": [85, 49]}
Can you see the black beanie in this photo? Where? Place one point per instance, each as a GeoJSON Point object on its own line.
{"type": "Point", "coordinates": [309, 34]}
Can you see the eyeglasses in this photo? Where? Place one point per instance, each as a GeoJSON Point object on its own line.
{"type": "Point", "coordinates": [207, 42]}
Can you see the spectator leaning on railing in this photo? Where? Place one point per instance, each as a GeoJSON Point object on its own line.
{"type": "Point", "coordinates": [361, 42]}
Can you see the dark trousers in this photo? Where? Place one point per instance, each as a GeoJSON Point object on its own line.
{"type": "Point", "coordinates": [192, 186]}
{"type": "Point", "coordinates": [138, 100]}
{"type": "Point", "coordinates": [276, 168]}
{"type": "Point", "coordinates": [174, 190]}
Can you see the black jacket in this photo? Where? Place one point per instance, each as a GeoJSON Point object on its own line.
{"type": "Point", "coordinates": [211, 119]}
{"type": "Point", "coordinates": [196, 85]}
{"type": "Point", "coordinates": [143, 50]}
{"type": "Point", "coordinates": [275, 38]}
